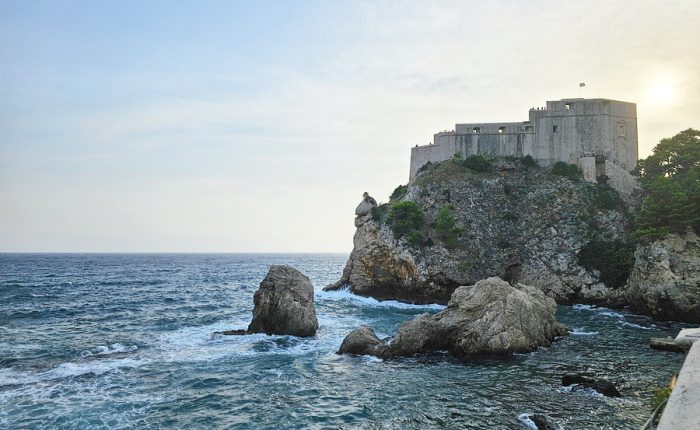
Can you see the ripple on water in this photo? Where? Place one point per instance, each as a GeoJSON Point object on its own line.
{"type": "Point", "coordinates": [125, 341]}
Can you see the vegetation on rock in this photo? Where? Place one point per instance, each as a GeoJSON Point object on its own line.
{"type": "Point", "coordinates": [613, 260]}
{"type": "Point", "coordinates": [570, 171]}
{"type": "Point", "coordinates": [399, 193]}
{"type": "Point", "coordinates": [477, 163]}
{"type": "Point", "coordinates": [446, 227]}
{"type": "Point", "coordinates": [406, 220]}
{"type": "Point", "coordinates": [670, 179]}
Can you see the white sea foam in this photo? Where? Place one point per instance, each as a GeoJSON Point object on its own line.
{"type": "Point", "coordinates": [66, 370]}
{"type": "Point", "coordinates": [582, 307]}
{"type": "Point", "coordinates": [371, 302]}
{"type": "Point", "coordinates": [579, 331]}
{"type": "Point", "coordinates": [109, 349]}
{"type": "Point", "coordinates": [525, 419]}
{"type": "Point", "coordinates": [580, 390]}
{"type": "Point", "coordinates": [633, 325]}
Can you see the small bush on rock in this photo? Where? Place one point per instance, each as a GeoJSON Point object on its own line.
{"type": "Point", "coordinates": [529, 162]}
{"type": "Point", "coordinates": [570, 171]}
{"type": "Point", "coordinates": [399, 192]}
{"type": "Point", "coordinates": [613, 260]}
{"type": "Point", "coordinates": [406, 219]}
{"type": "Point", "coordinates": [477, 163]}
{"type": "Point", "coordinates": [446, 228]}
{"type": "Point", "coordinates": [379, 212]}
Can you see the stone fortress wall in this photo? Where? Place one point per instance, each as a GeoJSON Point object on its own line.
{"type": "Point", "coordinates": [598, 135]}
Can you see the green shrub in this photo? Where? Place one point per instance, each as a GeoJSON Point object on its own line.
{"type": "Point", "coordinates": [477, 163]}
{"type": "Point", "coordinates": [399, 192]}
{"type": "Point", "coordinates": [606, 198]}
{"type": "Point", "coordinates": [458, 157]}
{"type": "Point", "coordinates": [406, 219]}
{"type": "Point", "coordinates": [661, 395]}
{"type": "Point", "coordinates": [379, 212]}
{"type": "Point", "coordinates": [570, 171]}
{"type": "Point", "coordinates": [529, 162]}
{"type": "Point", "coordinates": [613, 260]}
{"type": "Point", "coordinates": [425, 167]}
{"type": "Point", "coordinates": [446, 228]}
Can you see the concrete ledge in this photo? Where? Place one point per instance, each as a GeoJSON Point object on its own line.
{"type": "Point", "coordinates": [683, 409]}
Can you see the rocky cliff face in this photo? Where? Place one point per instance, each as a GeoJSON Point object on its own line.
{"type": "Point", "coordinates": [665, 279]}
{"type": "Point", "coordinates": [520, 223]}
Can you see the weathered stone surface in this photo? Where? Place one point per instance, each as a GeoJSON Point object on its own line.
{"type": "Point", "coordinates": [284, 304]}
{"type": "Point", "coordinates": [665, 279]}
{"type": "Point", "coordinates": [488, 318]}
{"type": "Point", "coordinates": [365, 206]}
{"type": "Point", "coordinates": [603, 386]}
{"type": "Point", "coordinates": [362, 341]}
{"type": "Point", "coordinates": [523, 225]}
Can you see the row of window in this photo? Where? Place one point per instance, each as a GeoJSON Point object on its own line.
{"type": "Point", "coordinates": [555, 128]}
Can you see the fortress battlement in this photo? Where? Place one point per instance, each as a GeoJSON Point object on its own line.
{"type": "Point", "coordinates": [598, 135]}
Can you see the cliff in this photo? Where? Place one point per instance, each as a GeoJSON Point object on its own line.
{"type": "Point", "coordinates": [525, 224]}
{"type": "Point", "coordinates": [665, 279]}
{"type": "Point", "coordinates": [506, 218]}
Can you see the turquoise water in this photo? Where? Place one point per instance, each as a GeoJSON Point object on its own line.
{"type": "Point", "coordinates": [124, 341]}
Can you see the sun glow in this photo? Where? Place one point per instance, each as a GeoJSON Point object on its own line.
{"type": "Point", "coordinates": [661, 93]}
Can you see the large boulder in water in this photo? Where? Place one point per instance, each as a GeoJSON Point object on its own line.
{"type": "Point", "coordinates": [362, 341]}
{"type": "Point", "coordinates": [284, 304]}
{"type": "Point", "coordinates": [488, 318]}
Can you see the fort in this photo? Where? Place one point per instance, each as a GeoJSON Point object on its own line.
{"type": "Point", "coordinates": [597, 135]}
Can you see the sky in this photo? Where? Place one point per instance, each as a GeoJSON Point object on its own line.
{"type": "Point", "coordinates": [255, 126]}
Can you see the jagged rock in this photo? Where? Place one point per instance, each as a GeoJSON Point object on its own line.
{"type": "Point", "coordinates": [383, 267]}
{"type": "Point", "coordinates": [362, 341]}
{"type": "Point", "coordinates": [365, 206]}
{"type": "Point", "coordinates": [665, 279]}
{"type": "Point", "coordinates": [542, 422]}
{"type": "Point", "coordinates": [603, 386]}
{"type": "Point", "coordinates": [284, 304]}
{"type": "Point", "coordinates": [488, 318]}
{"type": "Point", "coordinates": [521, 224]}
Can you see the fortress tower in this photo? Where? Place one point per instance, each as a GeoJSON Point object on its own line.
{"type": "Point", "coordinates": [598, 135]}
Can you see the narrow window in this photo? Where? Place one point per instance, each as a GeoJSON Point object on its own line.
{"type": "Point", "coordinates": [568, 106]}
{"type": "Point", "coordinates": [501, 129]}
{"type": "Point", "coordinates": [621, 129]}
{"type": "Point", "coordinates": [528, 129]}
{"type": "Point", "coordinates": [475, 130]}
{"type": "Point", "coordinates": [555, 128]}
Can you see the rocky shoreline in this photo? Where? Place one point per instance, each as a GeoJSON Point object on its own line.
{"type": "Point", "coordinates": [524, 225]}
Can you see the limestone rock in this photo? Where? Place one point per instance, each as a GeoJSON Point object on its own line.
{"type": "Point", "coordinates": [488, 318]}
{"type": "Point", "coordinates": [284, 304]}
{"type": "Point", "coordinates": [365, 206]}
{"type": "Point", "coordinates": [665, 279]}
{"type": "Point", "coordinates": [362, 341]}
{"type": "Point", "coordinates": [521, 224]}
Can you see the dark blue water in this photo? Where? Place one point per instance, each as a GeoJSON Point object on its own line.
{"type": "Point", "coordinates": [124, 341]}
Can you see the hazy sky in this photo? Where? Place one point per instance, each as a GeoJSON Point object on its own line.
{"type": "Point", "coordinates": [257, 125]}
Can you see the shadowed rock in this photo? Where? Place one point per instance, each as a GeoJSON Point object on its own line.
{"type": "Point", "coordinates": [603, 386]}
{"type": "Point", "coordinates": [362, 341]}
{"type": "Point", "coordinates": [284, 304]}
{"type": "Point", "coordinates": [542, 422]}
{"type": "Point", "coordinates": [488, 318]}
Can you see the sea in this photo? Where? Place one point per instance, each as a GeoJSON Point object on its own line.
{"type": "Point", "coordinates": [125, 341]}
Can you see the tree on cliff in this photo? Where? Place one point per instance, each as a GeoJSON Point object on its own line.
{"type": "Point", "coordinates": [670, 179]}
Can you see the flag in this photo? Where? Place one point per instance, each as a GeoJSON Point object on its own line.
{"type": "Point", "coordinates": [581, 84]}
